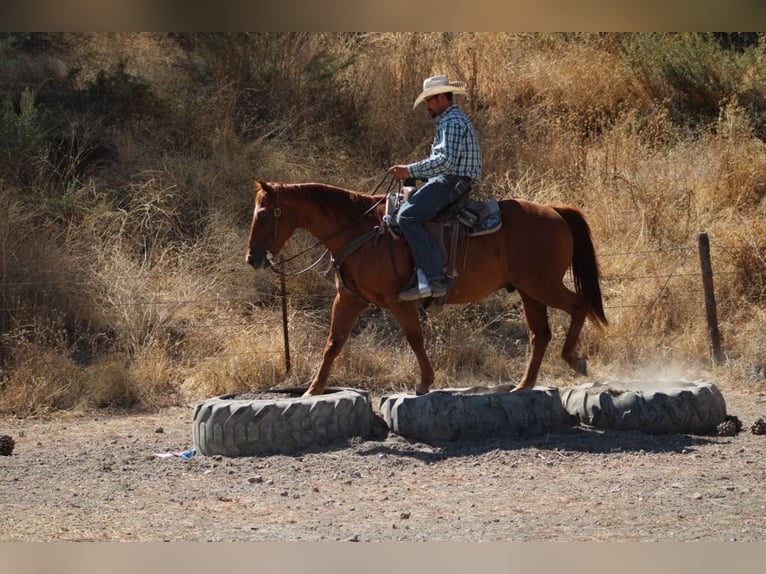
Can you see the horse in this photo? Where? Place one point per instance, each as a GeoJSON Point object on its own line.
{"type": "Point", "coordinates": [531, 252]}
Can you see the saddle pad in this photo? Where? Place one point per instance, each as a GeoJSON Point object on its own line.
{"type": "Point", "coordinates": [487, 216]}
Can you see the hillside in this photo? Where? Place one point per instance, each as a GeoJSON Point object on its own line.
{"type": "Point", "coordinates": [125, 168]}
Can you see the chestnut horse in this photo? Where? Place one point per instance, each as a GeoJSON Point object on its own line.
{"type": "Point", "coordinates": [531, 252]}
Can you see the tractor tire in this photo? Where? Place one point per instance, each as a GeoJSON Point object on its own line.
{"type": "Point", "coordinates": [234, 426]}
{"type": "Point", "coordinates": [475, 413]}
{"type": "Point", "coordinates": [658, 407]}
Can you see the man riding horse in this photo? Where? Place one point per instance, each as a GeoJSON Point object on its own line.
{"type": "Point", "coordinates": [454, 164]}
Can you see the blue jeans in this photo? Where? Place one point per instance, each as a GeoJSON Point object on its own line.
{"type": "Point", "coordinates": [422, 206]}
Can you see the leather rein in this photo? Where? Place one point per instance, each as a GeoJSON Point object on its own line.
{"type": "Point", "coordinates": [347, 249]}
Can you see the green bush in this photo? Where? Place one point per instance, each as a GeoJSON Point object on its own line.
{"type": "Point", "coordinates": [23, 136]}
{"type": "Point", "coordinates": [693, 75]}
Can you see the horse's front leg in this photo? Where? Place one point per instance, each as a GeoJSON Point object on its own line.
{"type": "Point", "coordinates": [409, 320]}
{"type": "Point", "coordinates": [345, 310]}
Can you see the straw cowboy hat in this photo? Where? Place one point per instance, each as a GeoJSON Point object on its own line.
{"type": "Point", "coordinates": [439, 85]}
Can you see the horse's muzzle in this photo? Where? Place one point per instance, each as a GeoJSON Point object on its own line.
{"type": "Point", "coordinates": [256, 263]}
{"type": "Point", "coordinates": [259, 261]}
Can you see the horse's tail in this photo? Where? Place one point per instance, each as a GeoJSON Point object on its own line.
{"type": "Point", "coordinates": [585, 270]}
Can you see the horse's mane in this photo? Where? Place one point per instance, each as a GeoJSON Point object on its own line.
{"type": "Point", "coordinates": [330, 199]}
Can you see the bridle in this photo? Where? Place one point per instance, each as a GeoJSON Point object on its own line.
{"type": "Point", "coordinates": [278, 267]}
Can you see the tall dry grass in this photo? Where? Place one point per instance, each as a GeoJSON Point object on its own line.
{"type": "Point", "coordinates": [123, 281]}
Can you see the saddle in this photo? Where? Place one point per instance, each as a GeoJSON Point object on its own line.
{"type": "Point", "coordinates": [462, 219]}
{"type": "Point", "coordinates": [477, 217]}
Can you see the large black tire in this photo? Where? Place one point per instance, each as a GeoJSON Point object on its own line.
{"type": "Point", "coordinates": [476, 413]}
{"type": "Point", "coordinates": [232, 426]}
{"type": "Point", "coordinates": [658, 407]}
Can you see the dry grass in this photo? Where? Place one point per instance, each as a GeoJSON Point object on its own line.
{"type": "Point", "coordinates": [165, 311]}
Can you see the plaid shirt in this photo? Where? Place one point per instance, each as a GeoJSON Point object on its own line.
{"type": "Point", "coordinates": [454, 151]}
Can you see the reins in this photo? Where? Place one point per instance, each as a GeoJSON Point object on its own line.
{"type": "Point", "coordinates": [279, 267]}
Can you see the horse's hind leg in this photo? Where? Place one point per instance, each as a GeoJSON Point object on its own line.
{"type": "Point", "coordinates": [536, 314]}
{"type": "Point", "coordinates": [577, 313]}
{"type": "Point", "coordinates": [576, 307]}
{"type": "Point", "coordinates": [345, 310]}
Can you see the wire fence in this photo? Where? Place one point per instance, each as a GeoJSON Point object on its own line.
{"type": "Point", "coordinates": [672, 278]}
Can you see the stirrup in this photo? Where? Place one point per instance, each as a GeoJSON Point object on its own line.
{"type": "Point", "coordinates": [414, 293]}
{"type": "Point", "coordinates": [419, 288]}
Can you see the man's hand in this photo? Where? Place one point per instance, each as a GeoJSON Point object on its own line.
{"type": "Point", "coordinates": [400, 172]}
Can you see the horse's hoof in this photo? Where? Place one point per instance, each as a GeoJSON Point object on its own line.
{"type": "Point", "coordinates": [523, 386]}
{"type": "Point", "coordinates": [582, 366]}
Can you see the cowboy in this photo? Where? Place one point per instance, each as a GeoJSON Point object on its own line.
{"type": "Point", "coordinates": [454, 164]}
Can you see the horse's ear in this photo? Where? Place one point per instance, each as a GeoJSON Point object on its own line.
{"type": "Point", "coordinates": [261, 185]}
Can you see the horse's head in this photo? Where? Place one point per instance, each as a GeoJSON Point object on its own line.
{"type": "Point", "coordinates": [268, 229]}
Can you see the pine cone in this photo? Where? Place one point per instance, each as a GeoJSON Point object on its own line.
{"type": "Point", "coordinates": [6, 445]}
{"type": "Point", "coordinates": [758, 427]}
{"type": "Point", "coordinates": [730, 426]}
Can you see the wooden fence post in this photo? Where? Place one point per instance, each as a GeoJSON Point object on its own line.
{"type": "Point", "coordinates": [284, 314]}
{"type": "Point", "coordinates": [703, 243]}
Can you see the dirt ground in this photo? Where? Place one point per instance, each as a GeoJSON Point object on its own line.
{"type": "Point", "coordinates": [96, 476]}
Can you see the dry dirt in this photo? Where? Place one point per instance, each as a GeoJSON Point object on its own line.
{"type": "Point", "coordinates": [95, 477]}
